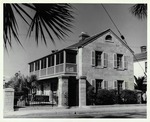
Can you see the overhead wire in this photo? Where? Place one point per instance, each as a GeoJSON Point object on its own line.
{"type": "Point", "coordinates": [122, 37]}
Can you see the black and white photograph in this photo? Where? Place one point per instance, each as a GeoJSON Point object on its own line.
{"type": "Point", "coordinates": [75, 60]}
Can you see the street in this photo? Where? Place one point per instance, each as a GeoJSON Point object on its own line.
{"type": "Point", "coordinates": [111, 111]}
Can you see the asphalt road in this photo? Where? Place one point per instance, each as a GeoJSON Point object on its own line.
{"type": "Point", "coordinates": [120, 111]}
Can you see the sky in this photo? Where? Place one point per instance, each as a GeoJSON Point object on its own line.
{"type": "Point", "coordinates": [90, 18]}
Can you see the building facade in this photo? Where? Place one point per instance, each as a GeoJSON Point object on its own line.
{"type": "Point", "coordinates": [140, 65]}
{"type": "Point", "coordinates": [103, 61]}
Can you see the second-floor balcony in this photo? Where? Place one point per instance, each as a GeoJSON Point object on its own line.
{"type": "Point", "coordinates": [58, 63]}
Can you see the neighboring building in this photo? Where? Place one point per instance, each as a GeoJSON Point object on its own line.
{"type": "Point", "coordinates": [140, 65]}
{"type": "Point", "coordinates": [102, 60]}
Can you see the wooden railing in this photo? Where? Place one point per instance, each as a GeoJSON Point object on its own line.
{"type": "Point", "coordinates": [60, 68]}
{"type": "Point", "coordinates": [71, 68]}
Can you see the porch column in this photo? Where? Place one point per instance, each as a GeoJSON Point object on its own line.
{"type": "Point", "coordinates": [63, 91]}
{"type": "Point", "coordinates": [50, 93]}
{"type": "Point", "coordinates": [82, 91]}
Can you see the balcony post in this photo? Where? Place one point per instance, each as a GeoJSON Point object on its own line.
{"type": "Point", "coordinates": [64, 53]}
{"type": "Point", "coordinates": [40, 68]}
{"type": "Point", "coordinates": [46, 65]}
{"type": "Point", "coordinates": [33, 66]}
{"type": "Point", "coordinates": [54, 63]}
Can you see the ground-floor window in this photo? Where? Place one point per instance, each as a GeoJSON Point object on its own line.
{"type": "Point", "coordinates": [98, 84]}
{"type": "Point", "coordinates": [119, 86]}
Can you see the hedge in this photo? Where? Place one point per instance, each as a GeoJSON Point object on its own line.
{"type": "Point", "coordinates": [128, 97]}
{"type": "Point", "coordinates": [105, 97]}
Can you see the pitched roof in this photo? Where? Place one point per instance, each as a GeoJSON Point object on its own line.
{"type": "Point", "coordinates": [88, 40]}
{"type": "Point", "coordinates": [140, 56]}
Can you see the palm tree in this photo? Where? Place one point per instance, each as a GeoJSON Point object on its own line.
{"type": "Point", "coordinates": [53, 19]}
{"type": "Point", "coordinates": [139, 83]}
{"type": "Point", "coordinates": [139, 10]}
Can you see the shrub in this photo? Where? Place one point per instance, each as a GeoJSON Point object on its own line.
{"type": "Point", "coordinates": [90, 95]}
{"type": "Point", "coordinates": [105, 97]}
{"type": "Point", "coordinates": [115, 96]}
{"type": "Point", "coordinates": [128, 97]}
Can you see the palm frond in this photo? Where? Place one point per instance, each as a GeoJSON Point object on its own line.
{"type": "Point", "coordinates": [10, 25]}
{"type": "Point", "coordinates": [139, 10]}
{"type": "Point", "coordinates": [54, 19]}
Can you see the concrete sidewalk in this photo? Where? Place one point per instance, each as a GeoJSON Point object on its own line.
{"type": "Point", "coordinates": [56, 111]}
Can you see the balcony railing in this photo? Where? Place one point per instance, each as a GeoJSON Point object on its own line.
{"type": "Point", "coordinates": [60, 68]}
{"type": "Point", "coordinates": [71, 68]}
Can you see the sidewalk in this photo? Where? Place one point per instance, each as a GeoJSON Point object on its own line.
{"type": "Point", "coordinates": [56, 111]}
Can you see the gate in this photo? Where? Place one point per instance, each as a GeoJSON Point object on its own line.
{"type": "Point", "coordinates": [21, 101]}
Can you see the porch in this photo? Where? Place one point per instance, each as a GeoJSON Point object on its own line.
{"type": "Point", "coordinates": [63, 62]}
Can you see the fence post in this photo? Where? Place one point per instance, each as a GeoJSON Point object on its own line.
{"type": "Point", "coordinates": [8, 99]}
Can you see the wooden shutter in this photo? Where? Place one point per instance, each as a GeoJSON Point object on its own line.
{"type": "Point", "coordinates": [105, 84]}
{"type": "Point", "coordinates": [125, 62]}
{"type": "Point", "coordinates": [94, 84]}
{"type": "Point", "coordinates": [115, 84]}
{"type": "Point", "coordinates": [105, 60]}
{"type": "Point", "coordinates": [115, 61]}
{"type": "Point", "coordinates": [126, 85]}
{"type": "Point", "coordinates": [93, 58]}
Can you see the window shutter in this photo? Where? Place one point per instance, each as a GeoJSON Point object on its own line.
{"type": "Point", "coordinates": [115, 84]}
{"type": "Point", "coordinates": [93, 58]}
{"type": "Point", "coordinates": [105, 60]}
{"type": "Point", "coordinates": [115, 61]}
{"type": "Point", "coordinates": [105, 84]}
{"type": "Point", "coordinates": [94, 84]}
{"type": "Point", "coordinates": [125, 62]}
{"type": "Point", "coordinates": [126, 85]}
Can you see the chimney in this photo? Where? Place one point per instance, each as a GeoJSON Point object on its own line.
{"type": "Point", "coordinates": [84, 35]}
{"type": "Point", "coordinates": [143, 49]}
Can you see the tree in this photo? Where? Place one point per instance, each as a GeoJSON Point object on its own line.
{"type": "Point", "coordinates": [32, 82]}
{"type": "Point", "coordinates": [53, 19]}
{"type": "Point", "coordinates": [139, 10]}
{"type": "Point", "coordinates": [139, 83]}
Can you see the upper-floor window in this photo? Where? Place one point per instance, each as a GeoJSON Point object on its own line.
{"type": "Point", "coordinates": [37, 65]}
{"type": "Point", "coordinates": [50, 60]}
{"type": "Point", "coordinates": [43, 63]}
{"type": "Point", "coordinates": [108, 37]}
{"type": "Point", "coordinates": [31, 67]}
{"type": "Point", "coordinates": [120, 61]}
{"type": "Point", "coordinates": [145, 66]}
{"type": "Point", "coordinates": [99, 59]}
{"type": "Point", "coordinates": [59, 58]}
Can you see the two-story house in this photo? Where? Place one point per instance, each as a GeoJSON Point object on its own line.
{"type": "Point", "coordinates": [102, 60]}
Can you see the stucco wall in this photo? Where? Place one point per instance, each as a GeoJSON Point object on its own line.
{"type": "Point", "coordinates": [109, 74]}
{"type": "Point", "coordinates": [139, 68]}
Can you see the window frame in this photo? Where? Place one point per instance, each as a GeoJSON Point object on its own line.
{"type": "Point", "coordinates": [98, 59]}
{"type": "Point", "coordinates": [120, 61]}
{"type": "Point", "coordinates": [146, 67]}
